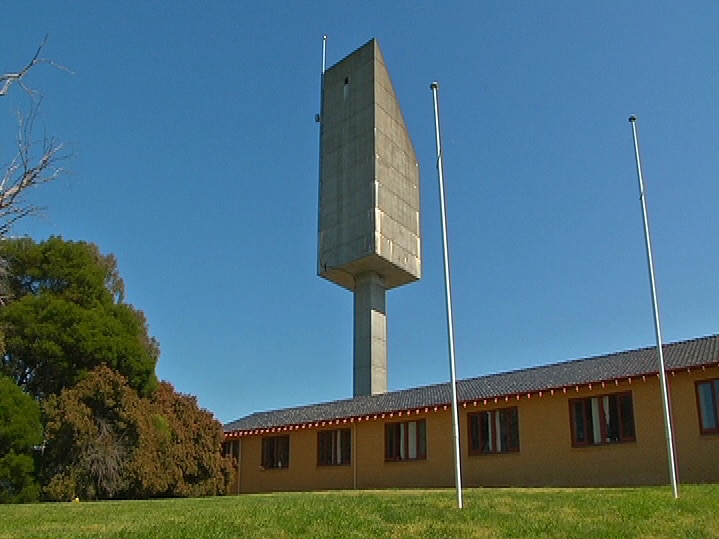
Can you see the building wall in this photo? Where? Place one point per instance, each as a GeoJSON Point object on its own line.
{"type": "Point", "coordinates": [303, 472]}
{"type": "Point", "coordinates": [546, 456]}
{"type": "Point", "coordinates": [697, 455]}
{"type": "Point", "coordinates": [436, 471]}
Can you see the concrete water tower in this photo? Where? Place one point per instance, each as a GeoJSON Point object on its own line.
{"type": "Point", "coordinates": [369, 228]}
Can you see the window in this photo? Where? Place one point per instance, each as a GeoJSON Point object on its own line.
{"type": "Point", "coordinates": [602, 420]}
{"type": "Point", "coordinates": [708, 401]}
{"type": "Point", "coordinates": [406, 440]}
{"type": "Point", "coordinates": [276, 452]}
{"type": "Point", "coordinates": [494, 431]}
{"type": "Point", "coordinates": [231, 449]}
{"type": "Point", "coordinates": [334, 447]}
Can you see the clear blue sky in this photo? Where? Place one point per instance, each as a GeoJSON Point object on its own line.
{"type": "Point", "coordinates": [194, 146]}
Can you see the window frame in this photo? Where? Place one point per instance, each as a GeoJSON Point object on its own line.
{"type": "Point", "coordinates": [338, 456]}
{"type": "Point", "coordinates": [505, 421]}
{"type": "Point", "coordinates": [396, 430]}
{"type": "Point", "coordinates": [713, 384]}
{"type": "Point", "coordinates": [604, 429]}
{"type": "Point", "coordinates": [274, 460]}
{"type": "Point", "coordinates": [231, 449]}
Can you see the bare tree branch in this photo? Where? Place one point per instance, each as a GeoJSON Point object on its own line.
{"type": "Point", "coordinates": [7, 79]}
{"type": "Point", "coordinates": [27, 169]}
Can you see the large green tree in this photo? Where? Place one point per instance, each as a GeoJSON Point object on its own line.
{"type": "Point", "coordinates": [70, 341]}
{"type": "Point", "coordinates": [65, 315]}
{"type": "Point", "coordinates": [20, 432]}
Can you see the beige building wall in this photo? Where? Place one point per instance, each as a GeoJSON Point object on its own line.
{"type": "Point", "coordinates": [546, 456]}
{"type": "Point", "coordinates": [303, 472]}
{"type": "Point", "coordinates": [697, 455]}
{"type": "Point", "coordinates": [436, 471]}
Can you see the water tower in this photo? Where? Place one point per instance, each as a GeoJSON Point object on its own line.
{"type": "Point", "coordinates": [369, 227]}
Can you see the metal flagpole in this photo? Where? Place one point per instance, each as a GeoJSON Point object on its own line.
{"type": "Point", "coordinates": [319, 118]}
{"type": "Point", "coordinates": [448, 294]}
{"type": "Point", "coordinates": [324, 61]}
{"type": "Point", "coordinates": [657, 327]}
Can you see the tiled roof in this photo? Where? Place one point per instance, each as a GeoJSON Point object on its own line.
{"type": "Point", "coordinates": [678, 356]}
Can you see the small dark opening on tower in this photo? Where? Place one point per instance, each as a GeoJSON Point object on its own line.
{"type": "Point", "coordinates": [347, 80]}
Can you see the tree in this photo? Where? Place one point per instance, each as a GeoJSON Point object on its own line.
{"type": "Point", "coordinates": [91, 434]}
{"type": "Point", "coordinates": [27, 169]}
{"type": "Point", "coordinates": [20, 432]}
{"type": "Point", "coordinates": [65, 315]}
{"type": "Point", "coordinates": [104, 441]}
{"type": "Point", "coordinates": [189, 450]}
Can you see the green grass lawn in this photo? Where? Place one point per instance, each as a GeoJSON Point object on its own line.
{"type": "Point", "coordinates": [556, 513]}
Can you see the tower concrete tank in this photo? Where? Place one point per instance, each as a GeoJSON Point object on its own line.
{"type": "Point", "coordinates": [369, 223]}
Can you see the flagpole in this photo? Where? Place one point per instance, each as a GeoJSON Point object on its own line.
{"type": "Point", "coordinates": [448, 294]}
{"type": "Point", "coordinates": [657, 328]}
{"type": "Point", "coordinates": [319, 119]}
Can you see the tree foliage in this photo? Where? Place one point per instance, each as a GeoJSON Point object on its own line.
{"type": "Point", "coordinates": [20, 432]}
{"type": "Point", "coordinates": [189, 440]}
{"type": "Point", "coordinates": [104, 441]}
{"type": "Point", "coordinates": [65, 316]}
{"type": "Point", "coordinates": [91, 431]}
{"type": "Point", "coordinates": [68, 340]}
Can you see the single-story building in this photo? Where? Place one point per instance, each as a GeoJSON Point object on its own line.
{"type": "Point", "coordinates": [589, 422]}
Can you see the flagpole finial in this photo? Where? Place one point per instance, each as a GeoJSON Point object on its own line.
{"type": "Point", "coordinates": [632, 118]}
{"type": "Point", "coordinates": [434, 85]}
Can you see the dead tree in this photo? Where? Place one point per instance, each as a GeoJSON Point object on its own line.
{"type": "Point", "coordinates": [35, 161]}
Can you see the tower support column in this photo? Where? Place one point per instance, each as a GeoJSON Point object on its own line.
{"type": "Point", "coordinates": [370, 335]}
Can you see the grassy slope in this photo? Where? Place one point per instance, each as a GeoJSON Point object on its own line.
{"type": "Point", "coordinates": [556, 513]}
